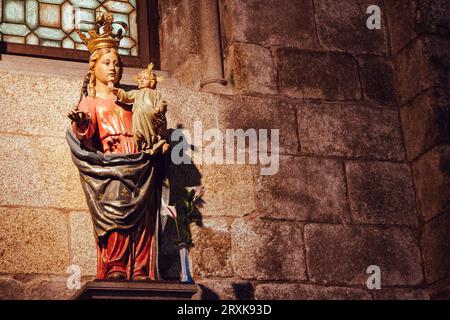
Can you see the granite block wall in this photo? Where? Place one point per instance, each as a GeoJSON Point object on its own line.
{"type": "Point", "coordinates": [364, 158]}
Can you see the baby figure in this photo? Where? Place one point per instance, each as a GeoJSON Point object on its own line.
{"type": "Point", "coordinates": [149, 124]}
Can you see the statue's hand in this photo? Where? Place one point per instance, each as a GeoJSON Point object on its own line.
{"type": "Point", "coordinates": [165, 148]}
{"type": "Point", "coordinates": [139, 136]}
{"type": "Point", "coordinates": [161, 106]}
{"type": "Point", "coordinates": [117, 92]}
{"type": "Point", "coordinates": [140, 139]}
{"type": "Point", "coordinates": [77, 116]}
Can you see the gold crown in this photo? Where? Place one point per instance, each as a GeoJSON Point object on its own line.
{"type": "Point", "coordinates": [106, 39]}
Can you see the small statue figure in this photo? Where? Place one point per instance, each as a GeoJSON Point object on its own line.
{"type": "Point", "coordinates": [149, 124]}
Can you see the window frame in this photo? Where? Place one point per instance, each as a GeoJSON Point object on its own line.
{"type": "Point", "coordinates": [148, 42]}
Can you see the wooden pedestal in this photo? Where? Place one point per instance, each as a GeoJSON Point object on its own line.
{"type": "Point", "coordinates": [135, 290]}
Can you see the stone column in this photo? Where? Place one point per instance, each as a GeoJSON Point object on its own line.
{"type": "Point", "coordinates": [211, 52]}
{"type": "Point", "coordinates": [421, 54]}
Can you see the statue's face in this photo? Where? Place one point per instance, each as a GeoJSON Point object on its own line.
{"type": "Point", "coordinates": [107, 68]}
{"type": "Point", "coordinates": [146, 81]}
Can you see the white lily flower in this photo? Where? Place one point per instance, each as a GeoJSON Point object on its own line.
{"type": "Point", "coordinates": [168, 210]}
{"type": "Point", "coordinates": [198, 191]}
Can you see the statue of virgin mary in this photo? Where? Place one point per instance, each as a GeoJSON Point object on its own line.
{"type": "Point", "coordinates": [122, 185]}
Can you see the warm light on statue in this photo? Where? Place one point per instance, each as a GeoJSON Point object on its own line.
{"type": "Point", "coordinates": [149, 124]}
{"type": "Point", "coordinates": [122, 184]}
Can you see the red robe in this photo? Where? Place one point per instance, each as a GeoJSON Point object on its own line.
{"type": "Point", "coordinates": [132, 252]}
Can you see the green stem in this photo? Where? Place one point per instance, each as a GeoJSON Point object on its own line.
{"type": "Point", "coordinates": [178, 231]}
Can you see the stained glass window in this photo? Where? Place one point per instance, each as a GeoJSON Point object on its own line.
{"type": "Point", "coordinates": [52, 23]}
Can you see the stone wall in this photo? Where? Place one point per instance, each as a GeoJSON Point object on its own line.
{"type": "Point", "coordinates": [44, 222]}
{"type": "Point", "coordinates": [350, 186]}
{"type": "Point", "coordinates": [420, 33]}
{"type": "Point", "coordinates": [363, 169]}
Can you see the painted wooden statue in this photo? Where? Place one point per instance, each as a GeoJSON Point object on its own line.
{"type": "Point", "coordinates": [121, 181]}
{"type": "Point", "coordinates": [149, 123]}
